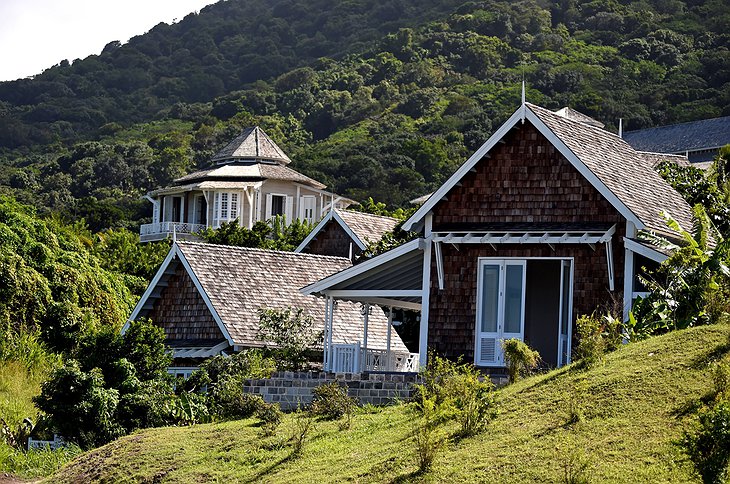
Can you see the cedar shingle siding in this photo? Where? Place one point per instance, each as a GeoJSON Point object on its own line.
{"type": "Point", "coordinates": [181, 311]}
{"type": "Point", "coordinates": [525, 180]}
{"type": "Point", "coordinates": [332, 240]}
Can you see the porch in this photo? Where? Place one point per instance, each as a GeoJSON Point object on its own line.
{"type": "Point", "coordinates": [376, 288]}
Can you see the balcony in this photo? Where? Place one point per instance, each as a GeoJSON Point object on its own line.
{"type": "Point", "coordinates": [163, 230]}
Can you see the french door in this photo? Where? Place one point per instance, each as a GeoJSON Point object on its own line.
{"type": "Point", "coordinates": [500, 308]}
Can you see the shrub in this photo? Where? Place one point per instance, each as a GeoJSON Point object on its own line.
{"type": "Point", "coordinates": [223, 377]}
{"type": "Point", "coordinates": [709, 446]}
{"type": "Point", "coordinates": [332, 402]}
{"type": "Point", "coordinates": [291, 334]}
{"type": "Point", "coordinates": [302, 427]}
{"type": "Point", "coordinates": [270, 416]}
{"type": "Point", "coordinates": [721, 380]}
{"type": "Point", "coordinates": [520, 358]}
{"type": "Point", "coordinates": [575, 467]}
{"type": "Point", "coordinates": [591, 345]}
{"type": "Point", "coordinates": [425, 437]}
{"type": "Point", "coordinates": [459, 393]}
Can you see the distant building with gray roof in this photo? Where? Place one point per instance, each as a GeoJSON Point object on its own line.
{"type": "Point", "coordinates": [699, 141]}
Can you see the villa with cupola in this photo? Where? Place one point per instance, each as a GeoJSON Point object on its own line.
{"type": "Point", "coordinates": [249, 180]}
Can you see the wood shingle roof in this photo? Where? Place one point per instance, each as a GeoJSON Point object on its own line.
{"type": "Point", "coordinates": [239, 281]}
{"type": "Point", "coordinates": [252, 144]}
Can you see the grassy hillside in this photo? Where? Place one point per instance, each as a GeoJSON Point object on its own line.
{"type": "Point", "coordinates": [635, 406]}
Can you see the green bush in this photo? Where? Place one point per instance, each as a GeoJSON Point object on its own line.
{"type": "Point", "coordinates": [721, 380]}
{"type": "Point", "coordinates": [303, 424]}
{"type": "Point", "coordinates": [425, 436]}
{"type": "Point", "coordinates": [459, 393]}
{"type": "Point", "coordinates": [521, 359]}
{"type": "Point", "coordinates": [35, 462]}
{"type": "Point", "coordinates": [223, 378]}
{"type": "Point", "coordinates": [709, 446]}
{"type": "Point", "coordinates": [270, 415]}
{"type": "Point", "coordinates": [591, 345]}
{"type": "Point", "coordinates": [331, 401]}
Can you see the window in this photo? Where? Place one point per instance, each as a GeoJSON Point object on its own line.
{"type": "Point", "coordinates": [225, 207]}
{"type": "Point", "coordinates": [279, 204]}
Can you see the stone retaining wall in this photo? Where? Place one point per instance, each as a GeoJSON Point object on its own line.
{"type": "Point", "coordinates": [290, 389]}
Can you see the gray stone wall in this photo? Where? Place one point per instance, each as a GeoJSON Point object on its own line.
{"type": "Point", "coordinates": [290, 389]}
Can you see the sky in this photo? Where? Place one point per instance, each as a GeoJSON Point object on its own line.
{"type": "Point", "coordinates": [37, 34]}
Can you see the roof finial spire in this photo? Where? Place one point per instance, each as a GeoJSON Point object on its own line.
{"type": "Point", "coordinates": [620, 127]}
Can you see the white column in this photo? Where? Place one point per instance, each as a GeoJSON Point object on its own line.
{"type": "Point", "coordinates": [387, 341]}
{"type": "Point", "coordinates": [325, 342]}
{"type": "Point", "coordinates": [426, 288]}
{"type": "Point", "coordinates": [628, 271]}
{"type": "Point", "coordinates": [365, 317]}
{"type": "Point", "coordinates": [333, 306]}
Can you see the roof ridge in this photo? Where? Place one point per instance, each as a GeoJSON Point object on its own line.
{"type": "Point", "coordinates": [601, 130]}
{"type": "Point", "coordinates": [366, 214]}
{"type": "Point", "coordinates": [678, 124]}
{"type": "Point", "coordinates": [257, 249]}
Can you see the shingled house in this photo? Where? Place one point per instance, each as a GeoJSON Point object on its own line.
{"type": "Point", "coordinates": [346, 233]}
{"type": "Point", "coordinates": [541, 224]}
{"type": "Point", "coordinates": [248, 181]}
{"type": "Point", "coordinates": [206, 298]}
{"type": "Point", "coordinates": [700, 141]}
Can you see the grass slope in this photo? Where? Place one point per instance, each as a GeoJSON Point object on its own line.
{"type": "Point", "coordinates": [634, 405]}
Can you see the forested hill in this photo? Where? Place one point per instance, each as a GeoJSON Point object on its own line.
{"type": "Point", "coordinates": [226, 46]}
{"type": "Point", "coordinates": [374, 98]}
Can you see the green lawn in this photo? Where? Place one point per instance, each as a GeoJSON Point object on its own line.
{"type": "Point", "coordinates": [634, 407]}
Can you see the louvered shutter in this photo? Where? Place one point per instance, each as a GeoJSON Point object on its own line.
{"type": "Point", "coordinates": [289, 210]}
{"type": "Point", "coordinates": [268, 207]}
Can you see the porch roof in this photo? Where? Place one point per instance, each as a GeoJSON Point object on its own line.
{"type": "Point", "coordinates": [206, 185]}
{"type": "Point", "coordinates": [394, 278]}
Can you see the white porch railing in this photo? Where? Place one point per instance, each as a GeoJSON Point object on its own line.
{"type": "Point", "coordinates": [165, 228]}
{"type": "Point", "coordinates": [348, 358]}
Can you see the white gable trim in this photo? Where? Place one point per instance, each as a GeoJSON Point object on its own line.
{"type": "Point", "coordinates": [414, 223]}
{"type": "Point", "coordinates": [176, 252]}
{"type": "Point", "coordinates": [334, 279]}
{"type": "Point", "coordinates": [642, 249]}
{"type": "Point", "coordinates": [332, 215]}
{"type": "Point", "coordinates": [143, 300]}
{"type": "Point", "coordinates": [205, 297]}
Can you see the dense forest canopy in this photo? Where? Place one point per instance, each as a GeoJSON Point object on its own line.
{"type": "Point", "coordinates": [380, 99]}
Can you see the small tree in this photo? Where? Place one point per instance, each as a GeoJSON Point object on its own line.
{"type": "Point", "coordinates": [291, 333]}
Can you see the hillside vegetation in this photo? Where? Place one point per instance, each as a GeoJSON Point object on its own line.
{"type": "Point", "coordinates": [373, 98]}
{"type": "Point", "coordinates": [634, 406]}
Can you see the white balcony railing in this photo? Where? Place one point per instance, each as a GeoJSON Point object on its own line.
{"type": "Point", "coordinates": [166, 228]}
{"type": "Point", "coordinates": [348, 358]}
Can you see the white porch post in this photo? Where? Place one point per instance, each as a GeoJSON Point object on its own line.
{"type": "Point", "coordinates": [365, 317]}
{"type": "Point", "coordinates": [389, 366]}
{"type": "Point", "coordinates": [250, 199]}
{"type": "Point", "coordinates": [325, 339]}
{"type": "Point", "coordinates": [628, 271]}
{"type": "Point", "coordinates": [333, 306]}
{"type": "Point", "coordinates": [426, 288]}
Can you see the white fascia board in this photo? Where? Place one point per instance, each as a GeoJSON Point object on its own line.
{"type": "Point", "coordinates": [205, 297]}
{"type": "Point", "coordinates": [319, 227]}
{"type": "Point", "coordinates": [384, 258]}
{"type": "Point", "coordinates": [143, 300]}
{"type": "Point", "coordinates": [584, 170]}
{"type": "Point", "coordinates": [647, 252]}
{"type": "Point", "coordinates": [417, 218]}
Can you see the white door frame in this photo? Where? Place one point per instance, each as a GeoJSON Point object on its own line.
{"type": "Point", "coordinates": [477, 327]}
